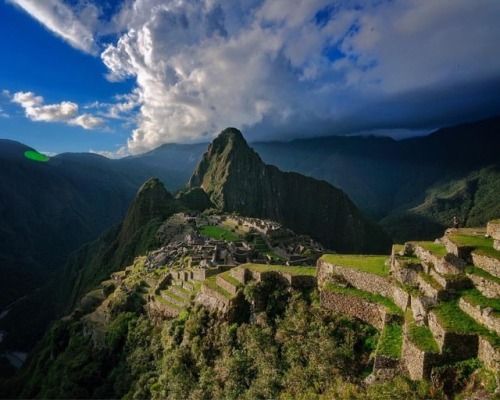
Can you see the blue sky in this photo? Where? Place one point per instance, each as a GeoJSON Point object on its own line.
{"type": "Point", "coordinates": [123, 77]}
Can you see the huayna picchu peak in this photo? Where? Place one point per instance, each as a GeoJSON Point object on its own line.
{"type": "Point", "coordinates": [236, 180]}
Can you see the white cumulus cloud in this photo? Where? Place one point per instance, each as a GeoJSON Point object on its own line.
{"type": "Point", "coordinates": [75, 25]}
{"type": "Point", "coordinates": [203, 65]}
{"type": "Point", "coordinates": [65, 111]}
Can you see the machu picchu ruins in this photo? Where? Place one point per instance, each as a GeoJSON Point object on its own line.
{"type": "Point", "coordinates": [434, 303]}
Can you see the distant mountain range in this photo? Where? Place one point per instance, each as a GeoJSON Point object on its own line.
{"type": "Point", "coordinates": [412, 187]}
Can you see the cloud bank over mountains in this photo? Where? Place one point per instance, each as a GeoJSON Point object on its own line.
{"type": "Point", "coordinates": [279, 70]}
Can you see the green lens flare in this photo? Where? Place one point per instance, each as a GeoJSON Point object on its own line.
{"type": "Point", "coordinates": [36, 156]}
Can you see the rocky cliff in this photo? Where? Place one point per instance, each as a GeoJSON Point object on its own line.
{"type": "Point", "coordinates": [237, 180]}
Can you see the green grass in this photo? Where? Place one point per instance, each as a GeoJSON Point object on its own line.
{"type": "Point", "coordinates": [474, 297]}
{"type": "Point", "coordinates": [311, 271]}
{"type": "Point", "coordinates": [231, 279]}
{"type": "Point", "coordinates": [431, 281]}
{"type": "Point", "coordinates": [372, 264]}
{"type": "Point", "coordinates": [163, 301]}
{"type": "Point", "coordinates": [471, 269]}
{"type": "Point", "coordinates": [420, 336]}
{"type": "Point", "coordinates": [481, 244]}
{"type": "Point", "coordinates": [454, 319]}
{"type": "Point", "coordinates": [391, 341]}
{"type": "Point", "coordinates": [372, 298]}
{"type": "Point", "coordinates": [435, 248]}
{"type": "Point", "coordinates": [218, 233]}
{"type": "Point", "coordinates": [212, 284]}
{"type": "Point", "coordinates": [174, 296]}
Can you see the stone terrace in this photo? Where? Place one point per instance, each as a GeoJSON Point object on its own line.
{"type": "Point", "coordinates": [448, 291]}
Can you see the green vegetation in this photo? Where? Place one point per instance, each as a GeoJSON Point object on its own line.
{"type": "Point", "coordinates": [471, 269]}
{"type": "Point", "coordinates": [391, 341]}
{"type": "Point", "coordinates": [455, 320]}
{"type": "Point", "coordinates": [420, 336]}
{"type": "Point", "coordinates": [212, 284]}
{"type": "Point", "coordinates": [302, 352]}
{"type": "Point", "coordinates": [435, 248]}
{"type": "Point", "coordinates": [218, 233]}
{"type": "Point", "coordinates": [481, 244]}
{"type": "Point", "coordinates": [474, 297]}
{"type": "Point", "coordinates": [372, 264]}
{"type": "Point", "coordinates": [373, 298]}
{"type": "Point", "coordinates": [228, 277]}
{"type": "Point", "coordinates": [431, 281]}
{"type": "Point", "coordinates": [292, 270]}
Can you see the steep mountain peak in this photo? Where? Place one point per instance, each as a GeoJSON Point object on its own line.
{"type": "Point", "coordinates": [235, 179]}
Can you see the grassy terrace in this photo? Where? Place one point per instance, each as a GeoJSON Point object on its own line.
{"type": "Point", "coordinates": [229, 278]}
{"type": "Point", "coordinates": [471, 269]}
{"type": "Point", "coordinates": [212, 284]}
{"type": "Point", "coordinates": [435, 248]}
{"type": "Point", "coordinates": [372, 298]}
{"type": "Point", "coordinates": [482, 245]}
{"type": "Point", "coordinates": [391, 341]}
{"type": "Point", "coordinates": [474, 297]}
{"type": "Point", "coordinates": [431, 281]}
{"type": "Point", "coordinates": [218, 233]}
{"type": "Point", "coordinates": [281, 268]}
{"type": "Point", "coordinates": [273, 255]}
{"type": "Point", "coordinates": [372, 264]}
{"type": "Point", "coordinates": [163, 301]}
{"type": "Point", "coordinates": [453, 319]}
{"type": "Point", "coordinates": [420, 336]}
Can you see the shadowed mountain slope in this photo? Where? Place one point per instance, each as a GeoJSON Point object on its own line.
{"type": "Point", "coordinates": [236, 180]}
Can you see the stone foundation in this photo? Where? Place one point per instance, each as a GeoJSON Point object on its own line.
{"type": "Point", "coordinates": [487, 287]}
{"type": "Point", "coordinates": [371, 313]}
{"type": "Point", "coordinates": [489, 355]}
{"type": "Point", "coordinates": [454, 346]}
{"type": "Point", "coordinates": [418, 363]}
{"type": "Point", "coordinates": [362, 280]}
{"type": "Point", "coordinates": [491, 265]}
{"type": "Point", "coordinates": [484, 316]}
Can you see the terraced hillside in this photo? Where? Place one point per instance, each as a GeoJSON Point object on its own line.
{"type": "Point", "coordinates": [444, 295]}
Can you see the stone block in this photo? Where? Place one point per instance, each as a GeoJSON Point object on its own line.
{"type": "Point", "coordinates": [227, 286]}
{"type": "Point", "coordinates": [419, 307]}
{"type": "Point", "coordinates": [489, 355]}
{"type": "Point", "coordinates": [489, 264]}
{"type": "Point", "coordinates": [371, 313]}
{"type": "Point", "coordinates": [482, 315]}
{"type": "Point", "coordinates": [454, 346]}
{"type": "Point", "coordinates": [401, 297]}
{"type": "Point", "coordinates": [419, 363]}
{"type": "Point", "coordinates": [493, 229]}
{"type": "Point", "coordinates": [487, 287]}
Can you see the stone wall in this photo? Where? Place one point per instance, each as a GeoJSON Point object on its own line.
{"type": "Point", "coordinates": [419, 306]}
{"type": "Point", "coordinates": [240, 274]}
{"type": "Point", "coordinates": [401, 297]}
{"type": "Point", "coordinates": [158, 311]}
{"type": "Point", "coordinates": [487, 287]}
{"type": "Point", "coordinates": [228, 286]}
{"type": "Point", "coordinates": [462, 252]}
{"type": "Point", "coordinates": [418, 363]}
{"type": "Point", "coordinates": [455, 346]}
{"type": "Point", "coordinates": [371, 313]}
{"type": "Point", "coordinates": [493, 229]}
{"type": "Point", "coordinates": [362, 280]}
{"type": "Point", "coordinates": [482, 315]}
{"type": "Point", "coordinates": [430, 291]}
{"type": "Point", "coordinates": [301, 281]}
{"type": "Point", "coordinates": [489, 355]}
{"type": "Point", "coordinates": [221, 300]}
{"type": "Point", "coordinates": [490, 265]}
